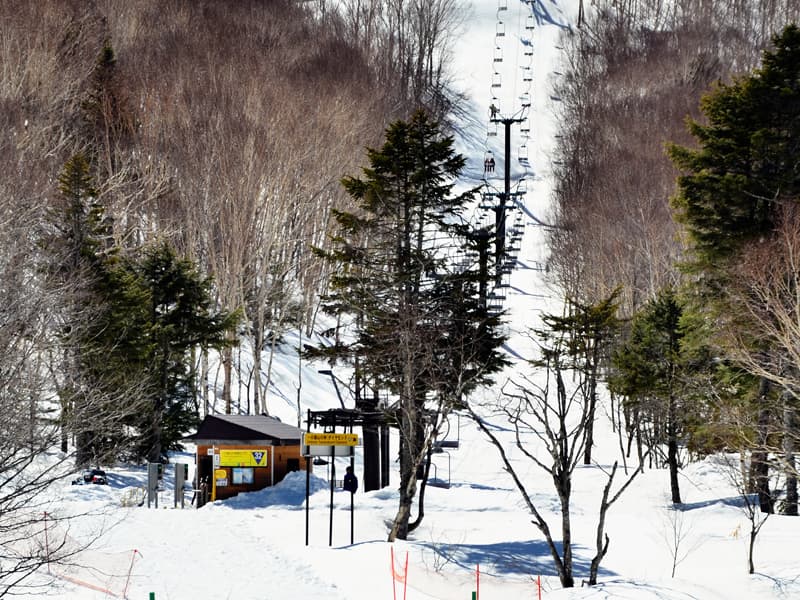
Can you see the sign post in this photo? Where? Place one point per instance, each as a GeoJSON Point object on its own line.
{"type": "Point", "coordinates": [331, 445]}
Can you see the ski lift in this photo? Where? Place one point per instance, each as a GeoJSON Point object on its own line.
{"type": "Point", "coordinates": [525, 127]}
{"type": "Point", "coordinates": [501, 29]}
{"type": "Point", "coordinates": [502, 5]}
{"type": "Point", "coordinates": [436, 481]}
{"type": "Point", "coordinates": [527, 74]}
{"type": "Point", "coordinates": [495, 79]}
{"type": "Point", "coordinates": [522, 187]}
{"type": "Point", "coordinates": [488, 163]}
{"type": "Point", "coordinates": [487, 203]}
{"type": "Point", "coordinates": [498, 54]}
{"type": "Point", "coordinates": [530, 23]}
{"type": "Point", "coordinates": [448, 442]}
{"type": "Point", "coordinates": [525, 100]}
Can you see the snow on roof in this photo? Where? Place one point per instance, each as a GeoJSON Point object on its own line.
{"type": "Point", "coordinates": [244, 428]}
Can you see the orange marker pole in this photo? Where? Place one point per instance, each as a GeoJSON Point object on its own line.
{"type": "Point", "coordinates": [394, 586]}
{"type": "Point", "coordinates": [405, 577]}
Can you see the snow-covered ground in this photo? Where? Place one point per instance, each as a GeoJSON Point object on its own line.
{"type": "Point", "coordinates": [253, 547]}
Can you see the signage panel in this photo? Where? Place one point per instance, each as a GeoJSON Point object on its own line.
{"type": "Point", "coordinates": [256, 457]}
{"type": "Point", "coordinates": [329, 450]}
{"type": "Point", "coordinates": [330, 439]}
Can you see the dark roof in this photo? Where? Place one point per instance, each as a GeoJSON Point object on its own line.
{"type": "Point", "coordinates": [244, 428]}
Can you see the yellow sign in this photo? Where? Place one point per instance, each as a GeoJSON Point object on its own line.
{"type": "Point", "coordinates": [330, 439]}
{"type": "Point", "coordinates": [257, 457]}
{"type": "Point", "coordinates": [220, 473]}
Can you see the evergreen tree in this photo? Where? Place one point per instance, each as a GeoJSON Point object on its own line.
{"type": "Point", "coordinates": [589, 331]}
{"type": "Point", "coordinates": [108, 122]}
{"type": "Point", "coordinates": [418, 331]}
{"type": "Point", "coordinates": [648, 370]}
{"type": "Point", "coordinates": [735, 187]}
{"type": "Point", "coordinates": [98, 303]}
{"type": "Point", "coordinates": [180, 316]}
{"type": "Point", "coordinates": [128, 326]}
{"type": "Point", "coordinates": [745, 167]}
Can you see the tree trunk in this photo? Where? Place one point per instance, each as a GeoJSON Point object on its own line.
{"type": "Point", "coordinates": [421, 499]}
{"type": "Point", "coordinates": [204, 376]}
{"type": "Point", "coordinates": [672, 451]}
{"type": "Point", "coordinates": [789, 433]}
{"type": "Point", "coordinates": [565, 575]}
{"type": "Point", "coordinates": [227, 367]}
{"type": "Point", "coordinates": [760, 464]}
{"type": "Point", "coordinates": [258, 343]}
{"type": "Point", "coordinates": [408, 488]}
{"type": "Point", "coordinates": [587, 449]}
{"type": "Point", "coordinates": [563, 486]}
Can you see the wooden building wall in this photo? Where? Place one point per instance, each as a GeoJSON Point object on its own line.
{"type": "Point", "coordinates": [286, 459]}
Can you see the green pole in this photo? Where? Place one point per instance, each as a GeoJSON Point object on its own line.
{"type": "Point", "coordinates": [474, 596]}
{"type": "Point", "coordinates": [153, 595]}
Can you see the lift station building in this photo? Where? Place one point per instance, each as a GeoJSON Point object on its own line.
{"type": "Point", "coordinates": [244, 453]}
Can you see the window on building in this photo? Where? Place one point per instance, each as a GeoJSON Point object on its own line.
{"type": "Point", "coordinates": [242, 476]}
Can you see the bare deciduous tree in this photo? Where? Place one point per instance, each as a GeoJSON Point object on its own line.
{"type": "Point", "coordinates": [554, 416]}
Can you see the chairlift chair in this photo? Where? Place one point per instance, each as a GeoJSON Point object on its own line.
{"type": "Point", "coordinates": [527, 74]}
{"type": "Point", "coordinates": [487, 202]}
{"type": "Point", "coordinates": [498, 54]}
{"type": "Point", "coordinates": [435, 481]}
{"type": "Point", "coordinates": [501, 29]}
{"type": "Point", "coordinates": [530, 23]}
{"type": "Point", "coordinates": [488, 163]}
{"type": "Point", "coordinates": [502, 5]}
{"type": "Point", "coordinates": [495, 79]}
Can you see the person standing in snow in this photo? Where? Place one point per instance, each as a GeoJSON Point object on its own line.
{"type": "Point", "coordinates": [350, 481]}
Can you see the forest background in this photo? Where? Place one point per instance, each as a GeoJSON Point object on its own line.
{"type": "Point", "coordinates": [208, 140]}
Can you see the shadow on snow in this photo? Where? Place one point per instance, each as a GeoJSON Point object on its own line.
{"type": "Point", "coordinates": [513, 558]}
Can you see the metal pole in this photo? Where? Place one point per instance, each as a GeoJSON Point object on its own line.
{"type": "Point", "coordinates": [308, 482]}
{"type": "Point", "coordinates": [501, 206]}
{"type": "Point", "coordinates": [335, 386]}
{"type": "Point", "coordinates": [308, 473]}
{"type": "Point", "coordinates": [333, 480]}
{"type": "Point", "coordinates": [505, 196]}
{"type": "Point", "coordinates": [352, 468]}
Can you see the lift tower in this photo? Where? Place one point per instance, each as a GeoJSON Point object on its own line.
{"type": "Point", "coordinates": [505, 196]}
